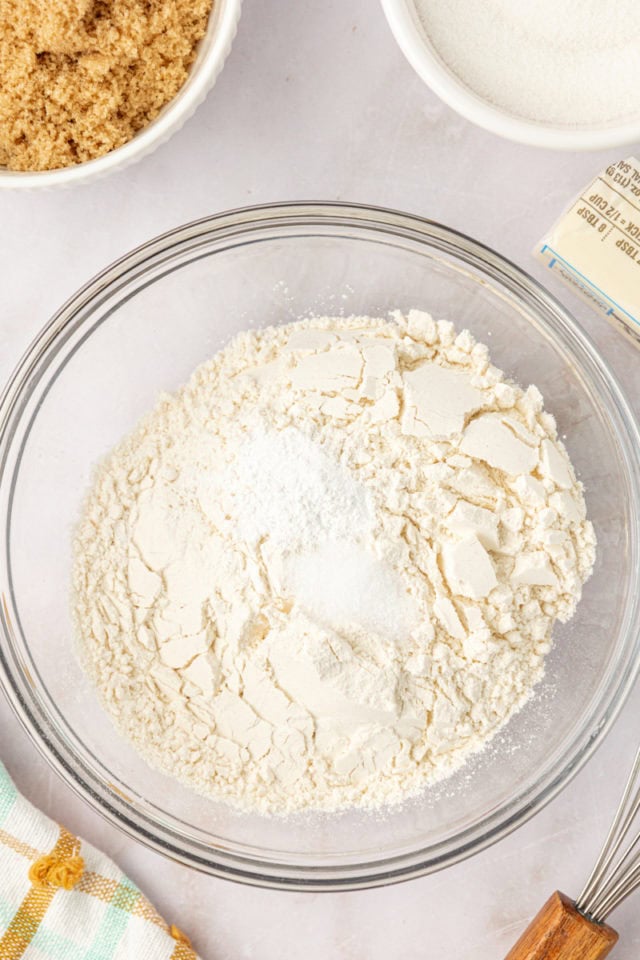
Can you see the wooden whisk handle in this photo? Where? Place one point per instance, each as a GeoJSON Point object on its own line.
{"type": "Point", "coordinates": [561, 932]}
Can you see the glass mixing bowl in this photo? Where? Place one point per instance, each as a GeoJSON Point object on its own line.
{"type": "Point", "coordinates": [140, 328]}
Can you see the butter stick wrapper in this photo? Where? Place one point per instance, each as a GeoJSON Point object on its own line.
{"type": "Point", "coordinates": [595, 245]}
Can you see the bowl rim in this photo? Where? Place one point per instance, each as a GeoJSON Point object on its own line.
{"type": "Point", "coordinates": [111, 803]}
{"type": "Point", "coordinates": [402, 18]}
{"type": "Point", "coordinates": [214, 49]}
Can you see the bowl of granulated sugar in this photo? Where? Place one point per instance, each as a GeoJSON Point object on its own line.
{"type": "Point", "coordinates": [90, 88]}
{"type": "Point", "coordinates": [554, 73]}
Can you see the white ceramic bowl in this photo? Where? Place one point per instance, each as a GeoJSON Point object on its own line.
{"type": "Point", "coordinates": [423, 57]}
{"type": "Point", "coordinates": [214, 49]}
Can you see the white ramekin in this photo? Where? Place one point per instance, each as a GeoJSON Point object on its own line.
{"type": "Point", "coordinates": [214, 48]}
{"type": "Point", "coordinates": [423, 57]}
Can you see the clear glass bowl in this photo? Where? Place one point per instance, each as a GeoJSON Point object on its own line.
{"type": "Point", "coordinates": [140, 328]}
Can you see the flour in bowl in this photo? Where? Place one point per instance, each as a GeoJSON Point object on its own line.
{"type": "Point", "coordinates": [327, 570]}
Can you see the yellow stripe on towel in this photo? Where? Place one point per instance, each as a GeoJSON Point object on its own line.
{"type": "Point", "coordinates": [33, 908]}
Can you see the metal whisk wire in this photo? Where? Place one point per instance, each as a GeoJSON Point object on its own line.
{"type": "Point", "coordinates": [616, 874]}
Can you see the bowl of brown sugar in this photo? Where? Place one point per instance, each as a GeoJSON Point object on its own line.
{"type": "Point", "coordinates": [90, 86]}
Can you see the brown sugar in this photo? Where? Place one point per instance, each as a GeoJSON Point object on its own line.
{"type": "Point", "coordinates": [79, 78]}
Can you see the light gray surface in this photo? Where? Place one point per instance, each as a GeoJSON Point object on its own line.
{"type": "Point", "coordinates": [317, 102]}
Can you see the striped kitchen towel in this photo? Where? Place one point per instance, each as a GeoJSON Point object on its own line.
{"type": "Point", "coordinates": [61, 899]}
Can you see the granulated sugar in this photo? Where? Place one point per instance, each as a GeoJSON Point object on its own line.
{"type": "Point", "coordinates": [327, 570]}
{"type": "Point", "coordinates": [557, 61]}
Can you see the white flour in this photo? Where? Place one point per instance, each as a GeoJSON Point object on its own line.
{"type": "Point", "coordinates": [557, 61]}
{"type": "Point", "coordinates": [327, 570]}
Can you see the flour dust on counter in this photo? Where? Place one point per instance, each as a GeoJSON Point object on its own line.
{"type": "Point", "coordinates": [326, 571]}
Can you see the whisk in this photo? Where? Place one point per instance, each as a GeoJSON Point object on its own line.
{"type": "Point", "coordinates": [576, 930]}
